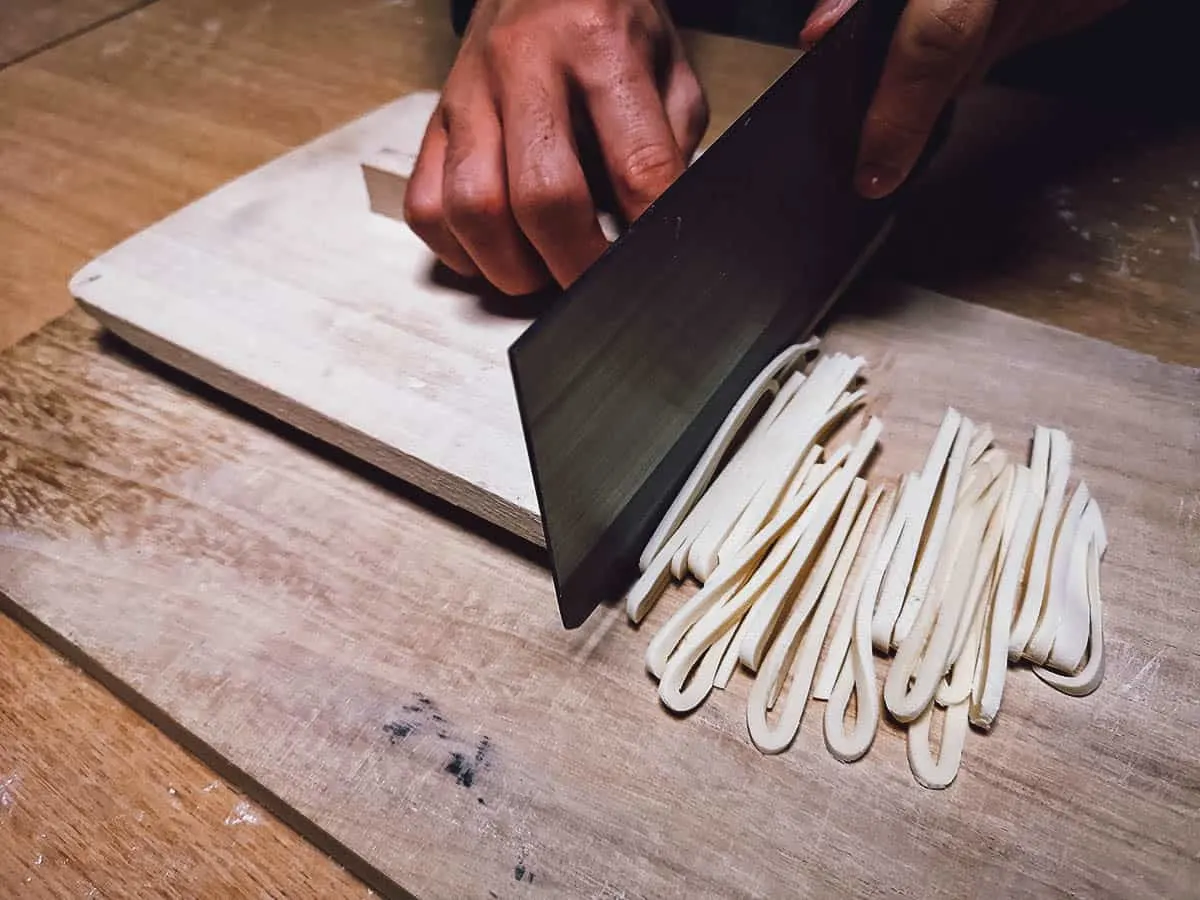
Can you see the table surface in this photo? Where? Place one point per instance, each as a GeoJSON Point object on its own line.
{"type": "Point", "coordinates": [95, 145]}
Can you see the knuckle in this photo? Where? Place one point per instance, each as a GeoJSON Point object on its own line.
{"type": "Point", "coordinates": [473, 202]}
{"type": "Point", "coordinates": [456, 116]}
{"type": "Point", "coordinates": [422, 209]}
{"type": "Point", "coordinates": [596, 27]}
{"type": "Point", "coordinates": [608, 32]}
{"type": "Point", "coordinates": [503, 41]}
{"type": "Point", "coordinates": [949, 29]}
{"type": "Point", "coordinates": [648, 170]}
{"type": "Point", "coordinates": [543, 199]}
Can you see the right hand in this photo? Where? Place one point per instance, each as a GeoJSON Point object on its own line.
{"type": "Point", "coordinates": [498, 188]}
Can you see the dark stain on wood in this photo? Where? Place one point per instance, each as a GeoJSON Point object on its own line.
{"type": "Point", "coordinates": [461, 769]}
{"type": "Point", "coordinates": [398, 731]}
{"type": "Point", "coordinates": [466, 768]}
{"type": "Point", "coordinates": [522, 872]}
{"type": "Point", "coordinates": [422, 705]}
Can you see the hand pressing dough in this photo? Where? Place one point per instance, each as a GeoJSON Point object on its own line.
{"type": "Point", "coordinates": [819, 597]}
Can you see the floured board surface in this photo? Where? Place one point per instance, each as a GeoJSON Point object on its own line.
{"type": "Point", "coordinates": [404, 690]}
{"type": "Point", "coordinates": [283, 289]}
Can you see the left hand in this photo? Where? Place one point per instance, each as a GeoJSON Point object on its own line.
{"type": "Point", "coordinates": [940, 47]}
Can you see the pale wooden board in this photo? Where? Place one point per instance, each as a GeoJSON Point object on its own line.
{"type": "Point", "coordinates": [284, 290]}
{"type": "Point", "coordinates": [283, 611]}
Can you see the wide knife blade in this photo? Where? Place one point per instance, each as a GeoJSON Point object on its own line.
{"type": "Point", "coordinates": [625, 379]}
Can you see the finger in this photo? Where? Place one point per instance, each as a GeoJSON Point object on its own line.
{"type": "Point", "coordinates": [636, 139]}
{"type": "Point", "coordinates": [824, 16]}
{"type": "Point", "coordinates": [548, 190]}
{"type": "Point", "coordinates": [475, 197]}
{"type": "Point", "coordinates": [935, 46]}
{"type": "Point", "coordinates": [686, 107]}
{"type": "Point", "coordinates": [423, 202]}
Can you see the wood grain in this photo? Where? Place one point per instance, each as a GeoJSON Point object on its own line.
{"type": "Point", "coordinates": [27, 26]}
{"type": "Point", "coordinates": [404, 685]}
{"type": "Point", "coordinates": [95, 801]}
{"type": "Point", "coordinates": [274, 77]}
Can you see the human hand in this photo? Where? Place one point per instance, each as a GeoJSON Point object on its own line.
{"type": "Point", "coordinates": [940, 47]}
{"type": "Point", "coordinates": [498, 188]}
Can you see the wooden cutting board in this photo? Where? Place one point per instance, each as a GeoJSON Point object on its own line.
{"type": "Point", "coordinates": [283, 289]}
{"type": "Point", "coordinates": [401, 690]}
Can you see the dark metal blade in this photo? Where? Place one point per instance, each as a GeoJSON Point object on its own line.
{"type": "Point", "coordinates": [626, 378]}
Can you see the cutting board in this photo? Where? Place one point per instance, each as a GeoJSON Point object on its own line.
{"type": "Point", "coordinates": [284, 290]}
{"type": "Point", "coordinates": [400, 689]}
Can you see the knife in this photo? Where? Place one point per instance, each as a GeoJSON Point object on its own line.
{"type": "Point", "coordinates": [625, 379]}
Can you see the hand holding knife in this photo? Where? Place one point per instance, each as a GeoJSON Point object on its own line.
{"type": "Point", "coordinates": [499, 189]}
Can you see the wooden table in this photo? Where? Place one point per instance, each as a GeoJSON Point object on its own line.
{"type": "Point", "coordinates": [97, 144]}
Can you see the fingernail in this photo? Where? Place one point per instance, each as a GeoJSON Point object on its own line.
{"type": "Point", "coordinates": [877, 181]}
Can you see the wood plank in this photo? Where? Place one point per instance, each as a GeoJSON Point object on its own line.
{"type": "Point", "coordinates": [405, 686]}
{"type": "Point", "coordinates": [27, 26]}
{"type": "Point", "coordinates": [95, 801]}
